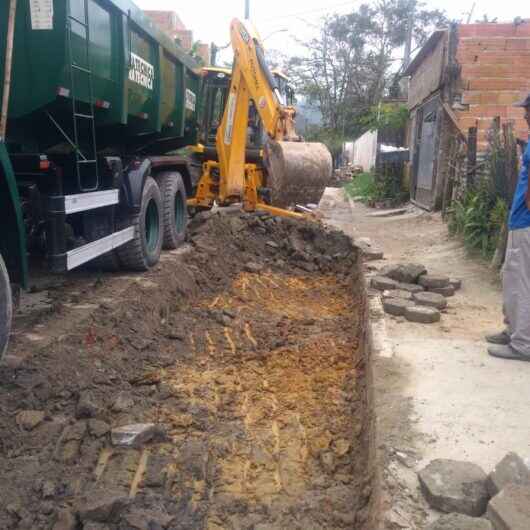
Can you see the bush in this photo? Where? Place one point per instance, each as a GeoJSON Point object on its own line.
{"type": "Point", "coordinates": [478, 217]}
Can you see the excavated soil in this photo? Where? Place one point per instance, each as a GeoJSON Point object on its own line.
{"type": "Point", "coordinates": [246, 353]}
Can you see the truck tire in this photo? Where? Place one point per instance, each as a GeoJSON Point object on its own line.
{"type": "Point", "coordinates": [143, 251]}
{"type": "Point", "coordinates": [6, 308]}
{"type": "Point", "coordinates": [175, 215]}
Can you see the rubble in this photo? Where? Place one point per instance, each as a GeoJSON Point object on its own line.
{"type": "Point", "coordinates": [136, 435]}
{"type": "Point", "coordinates": [410, 287]}
{"type": "Point", "coordinates": [30, 419]}
{"type": "Point", "coordinates": [454, 486]}
{"type": "Point", "coordinates": [457, 521]}
{"type": "Point", "coordinates": [430, 281]}
{"type": "Point", "coordinates": [422, 314]}
{"type": "Point", "coordinates": [396, 306]}
{"type": "Point", "coordinates": [404, 272]}
{"type": "Point", "coordinates": [430, 300]}
{"type": "Point", "coordinates": [510, 509]}
{"type": "Point", "coordinates": [383, 283]}
{"type": "Point", "coordinates": [510, 470]}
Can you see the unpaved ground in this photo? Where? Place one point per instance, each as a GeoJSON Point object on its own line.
{"type": "Point", "coordinates": [247, 353]}
{"type": "Point", "coordinates": [437, 393]}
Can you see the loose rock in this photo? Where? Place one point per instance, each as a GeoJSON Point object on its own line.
{"type": "Point", "coordinates": [457, 521]}
{"type": "Point", "coordinates": [383, 284]}
{"type": "Point", "coordinates": [396, 306]}
{"type": "Point", "coordinates": [372, 253]}
{"type": "Point", "coordinates": [410, 287]}
{"type": "Point", "coordinates": [397, 293]}
{"type": "Point", "coordinates": [430, 300]}
{"type": "Point", "coordinates": [453, 486]}
{"type": "Point", "coordinates": [147, 519]}
{"type": "Point", "coordinates": [251, 266]}
{"type": "Point", "coordinates": [136, 434]}
{"type": "Point", "coordinates": [29, 419]}
{"type": "Point", "coordinates": [430, 281]}
{"type": "Point", "coordinates": [422, 314]}
{"type": "Point", "coordinates": [444, 291]}
{"type": "Point", "coordinates": [65, 521]}
{"type": "Point", "coordinates": [404, 272]}
{"type": "Point", "coordinates": [98, 428]}
{"type": "Point", "coordinates": [456, 284]}
{"type": "Point", "coordinates": [86, 407]}
{"type": "Point", "coordinates": [510, 470]}
{"type": "Point", "coordinates": [123, 402]}
{"type": "Point", "coordinates": [510, 509]}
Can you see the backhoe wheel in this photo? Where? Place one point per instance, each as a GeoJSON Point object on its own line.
{"type": "Point", "coordinates": [174, 200]}
{"type": "Point", "coordinates": [6, 308]}
{"type": "Point", "coordinates": [143, 251]}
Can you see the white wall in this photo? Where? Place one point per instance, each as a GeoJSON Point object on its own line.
{"type": "Point", "coordinates": [365, 150]}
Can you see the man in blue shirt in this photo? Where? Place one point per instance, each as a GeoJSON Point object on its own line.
{"type": "Point", "coordinates": [514, 341]}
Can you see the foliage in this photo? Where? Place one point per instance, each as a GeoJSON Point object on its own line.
{"type": "Point", "coordinates": [372, 187]}
{"type": "Point", "coordinates": [388, 116]}
{"type": "Point", "coordinates": [349, 67]}
{"type": "Point", "coordinates": [363, 185]}
{"type": "Point", "coordinates": [478, 217]}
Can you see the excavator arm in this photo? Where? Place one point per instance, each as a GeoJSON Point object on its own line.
{"type": "Point", "coordinates": [293, 169]}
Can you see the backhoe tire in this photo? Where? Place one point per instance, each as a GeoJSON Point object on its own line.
{"type": "Point", "coordinates": [143, 251]}
{"type": "Point", "coordinates": [175, 215]}
{"type": "Point", "coordinates": [6, 308]}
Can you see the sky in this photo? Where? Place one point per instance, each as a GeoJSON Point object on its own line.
{"type": "Point", "coordinates": [281, 23]}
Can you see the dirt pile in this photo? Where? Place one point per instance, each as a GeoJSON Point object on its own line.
{"type": "Point", "coordinates": [243, 358]}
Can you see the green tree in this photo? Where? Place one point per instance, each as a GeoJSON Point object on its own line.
{"type": "Point", "coordinates": [355, 59]}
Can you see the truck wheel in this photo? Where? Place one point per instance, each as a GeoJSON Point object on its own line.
{"type": "Point", "coordinates": [175, 208]}
{"type": "Point", "coordinates": [143, 251]}
{"type": "Point", "coordinates": [6, 308]}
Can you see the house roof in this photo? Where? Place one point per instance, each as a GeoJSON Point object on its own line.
{"type": "Point", "coordinates": [426, 49]}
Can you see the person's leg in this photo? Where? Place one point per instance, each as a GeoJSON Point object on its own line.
{"type": "Point", "coordinates": [503, 337]}
{"type": "Point", "coordinates": [510, 280]}
{"type": "Point", "coordinates": [520, 311]}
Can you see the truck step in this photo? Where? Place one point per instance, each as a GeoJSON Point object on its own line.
{"type": "Point", "coordinates": [82, 202]}
{"type": "Point", "coordinates": [78, 256]}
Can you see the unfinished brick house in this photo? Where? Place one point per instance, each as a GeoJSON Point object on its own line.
{"type": "Point", "coordinates": [463, 77]}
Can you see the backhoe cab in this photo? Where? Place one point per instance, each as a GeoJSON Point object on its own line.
{"type": "Point", "coordinates": [255, 116]}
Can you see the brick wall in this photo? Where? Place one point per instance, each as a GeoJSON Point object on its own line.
{"type": "Point", "coordinates": [170, 23]}
{"type": "Point", "coordinates": [495, 62]}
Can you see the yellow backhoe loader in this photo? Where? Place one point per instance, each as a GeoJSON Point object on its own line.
{"type": "Point", "coordinates": [292, 171]}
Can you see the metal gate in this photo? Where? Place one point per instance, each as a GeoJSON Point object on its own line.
{"type": "Point", "coordinates": [425, 152]}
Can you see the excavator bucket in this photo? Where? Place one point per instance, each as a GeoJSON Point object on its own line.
{"type": "Point", "coordinates": [297, 172]}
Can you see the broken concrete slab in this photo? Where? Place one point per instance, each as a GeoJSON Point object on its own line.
{"type": "Point", "coordinates": [454, 486]}
{"type": "Point", "coordinates": [458, 521]}
{"type": "Point", "coordinates": [383, 283]}
{"type": "Point", "coordinates": [396, 306]}
{"type": "Point", "coordinates": [430, 281]}
{"type": "Point", "coordinates": [510, 509]}
{"type": "Point", "coordinates": [422, 314]}
{"type": "Point", "coordinates": [137, 434]}
{"type": "Point", "coordinates": [411, 287]}
{"type": "Point", "coordinates": [372, 253]}
{"type": "Point", "coordinates": [455, 283]}
{"type": "Point", "coordinates": [444, 291]}
{"type": "Point", "coordinates": [510, 470]}
{"type": "Point", "coordinates": [404, 272]}
{"type": "Point", "coordinates": [397, 293]}
{"type": "Point", "coordinates": [430, 300]}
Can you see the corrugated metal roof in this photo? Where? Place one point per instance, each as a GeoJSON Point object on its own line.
{"type": "Point", "coordinates": [427, 48]}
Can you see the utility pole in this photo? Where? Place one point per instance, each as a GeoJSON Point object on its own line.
{"type": "Point", "coordinates": [7, 71]}
{"type": "Point", "coordinates": [470, 13]}
{"type": "Point", "coordinates": [247, 9]}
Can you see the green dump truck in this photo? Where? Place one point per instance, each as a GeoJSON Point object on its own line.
{"type": "Point", "coordinates": [95, 99]}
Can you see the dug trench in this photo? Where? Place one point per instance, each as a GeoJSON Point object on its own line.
{"type": "Point", "coordinates": [248, 355]}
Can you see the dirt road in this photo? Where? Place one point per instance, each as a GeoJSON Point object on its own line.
{"type": "Point", "coordinates": [247, 356]}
